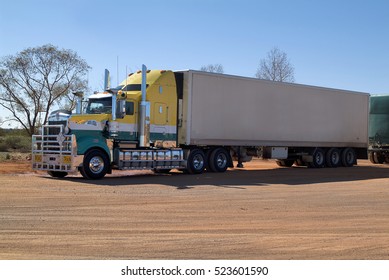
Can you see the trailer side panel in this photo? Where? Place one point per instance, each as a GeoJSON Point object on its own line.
{"type": "Point", "coordinates": [230, 110]}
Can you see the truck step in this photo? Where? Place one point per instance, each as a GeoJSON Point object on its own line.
{"type": "Point", "coordinates": [148, 159]}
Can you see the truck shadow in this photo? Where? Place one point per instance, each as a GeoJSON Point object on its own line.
{"type": "Point", "coordinates": [242, 178]}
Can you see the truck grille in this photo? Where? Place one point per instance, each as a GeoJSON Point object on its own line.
{"type": "Point", "coordinates": [55, 128]}
{"type": "Point", "coordinates": [52, 149]}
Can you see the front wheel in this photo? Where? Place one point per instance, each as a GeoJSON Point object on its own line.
{"type": "Point", "coordinates": [95, 165]}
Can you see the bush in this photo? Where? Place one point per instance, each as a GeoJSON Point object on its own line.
{"type": "Point", "coordinates": [15, 143]}
{"type": "Point", "coordinates": [4, 156]}
{"type": "Point", "coordinates": [3, 145]}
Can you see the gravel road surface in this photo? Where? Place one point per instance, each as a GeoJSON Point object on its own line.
{"type": "Point", "coordinates": [259, 212]}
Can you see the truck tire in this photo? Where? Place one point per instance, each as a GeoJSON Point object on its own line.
{"type": "Point", "coordinates": [196, 162]}
{"type": "Point", "coordinates": [378, 158]}
{"type": "Point", "coordinates": [349, 157]}
{"type": "Point", "coordinates": [333, 157]}
{"type": "Point", "coordinates": [318, 158]}
{"type": "Point", "coordinates": [95, 165]}
{"type": "Point", "coordinates": [372, 158]}
{"type": "Point", "coordinates": [219, 160]}
{"type": "Point", "coordinates": [57, 174]}
{"type": "Point", "coordinates": [81, 169]}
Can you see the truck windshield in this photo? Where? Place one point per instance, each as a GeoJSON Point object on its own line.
{"type": "Point", "coordinates": [99, 106]}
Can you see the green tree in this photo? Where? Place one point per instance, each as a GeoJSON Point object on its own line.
{"type": "Point", "coordinates": [36, 79]}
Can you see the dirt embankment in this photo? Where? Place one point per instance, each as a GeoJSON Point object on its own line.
{"type": "Point", "coordinates": [15, 167]}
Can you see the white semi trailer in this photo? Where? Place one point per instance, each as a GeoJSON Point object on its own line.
{"type": "Point", "coordinates": [193, 121]}
{"type": "Point", "coordinates": [290, 122]}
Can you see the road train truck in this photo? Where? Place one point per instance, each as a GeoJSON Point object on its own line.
{"type": "Point", "coordinates": [195, 121]}
{"type": "Point", "coordinates": [379, 129]}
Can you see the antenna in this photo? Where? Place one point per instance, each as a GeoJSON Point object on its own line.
{"type": "Point", "coordinates": [107, 80]}
{"type": "Point", "coordinates": [126, 77]}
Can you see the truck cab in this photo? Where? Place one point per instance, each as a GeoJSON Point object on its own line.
{"type": "Point", "coordinates": [108, 134]}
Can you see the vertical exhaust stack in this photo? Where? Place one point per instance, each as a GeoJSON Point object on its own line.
{"type": "Point", "coordinates": [107, 80]}
{"type": "Point", "coordinates": [79, 95]}
{"type": "Point", "coordinates": [114, 97]}
{"type": "Point", "coordinates": [113, 125]}
{"type": "Point", "coordinates": [144, 119]}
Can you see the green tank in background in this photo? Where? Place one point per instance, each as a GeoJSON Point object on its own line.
{"type": "Point", "coordinates": [379, 129]}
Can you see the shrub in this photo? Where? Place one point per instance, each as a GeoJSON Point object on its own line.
{"type": "Point", "coordinates": [3, 145]}
{"type": "Point", "coordinates": [19, 143]}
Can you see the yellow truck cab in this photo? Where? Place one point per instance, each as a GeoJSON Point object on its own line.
{"type": "Point", "coordinates": [107, 135]}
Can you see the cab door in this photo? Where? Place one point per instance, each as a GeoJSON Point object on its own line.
{"type": "Point", "coordinates": [128, 126]}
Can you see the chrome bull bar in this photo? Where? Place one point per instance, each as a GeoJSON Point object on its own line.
{"type": "Point", "coordinates": [53, 150]}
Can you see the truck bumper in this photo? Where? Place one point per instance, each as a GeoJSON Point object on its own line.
{"type": "Point", "coordinates": [52, 150]}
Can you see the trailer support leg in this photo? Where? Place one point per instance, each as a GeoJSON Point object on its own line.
{"type": "Point", "coordinates": [240, 164]}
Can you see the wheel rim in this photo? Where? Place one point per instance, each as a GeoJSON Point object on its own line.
{"type": "Point", "coordinates": [198, 162]}
{"type": "Point", "coordinates": [319, 158]}
{"type": "Point", "coordinates": [96, 164]}
{"type": "Point", "coordinates": [221, 160]}
{"type": "Point", "coordinates": [350, 157]}
{"type": "Point", "coordinates": [335, 158]}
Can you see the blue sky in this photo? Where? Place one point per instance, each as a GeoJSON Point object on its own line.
{"type": "Point", "coordinates": [331, 43]}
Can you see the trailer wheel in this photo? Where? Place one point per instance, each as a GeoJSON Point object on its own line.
{"type": "Point", "coordinates": [318, 158]}
{"type": "Point", "coordinates": [95, 165]}
{"type": "Point", "coordinates": [333, 157]}
{"type": "Point", "coordinates": [57, 174]}
{"type": "Point", "coordinates": [379, 158]}
{"type": "Point", "coordinates": [196, 161]}
{"type": "Point", "coordinates": [218, 160]}
{"type": "Point", "coordinates": [372, 158]}
{"type": "Point", "coordinates": [348, 157]}
{"type": "Point", "coordinates": [376, 157]}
